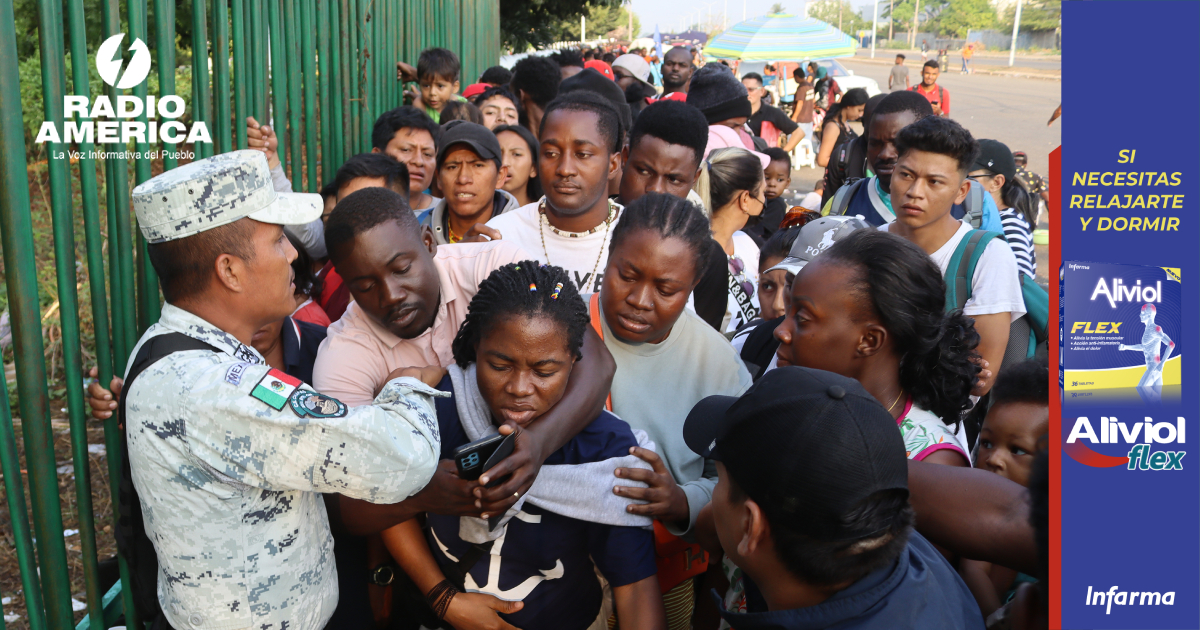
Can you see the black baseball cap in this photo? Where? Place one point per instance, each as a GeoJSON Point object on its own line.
{"type": "Point", "coordinates": [807, 445]}
{"type": "Point", "coordinates": [996, 157]}
{"type": "Point", "coordinates": [481, 140]}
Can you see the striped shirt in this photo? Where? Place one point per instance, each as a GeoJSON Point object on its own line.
{"type": "Point", "coordinates": [1019, 235]}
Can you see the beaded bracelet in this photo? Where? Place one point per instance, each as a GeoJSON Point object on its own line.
{"type": "Point", "coordinates": [439, 598]}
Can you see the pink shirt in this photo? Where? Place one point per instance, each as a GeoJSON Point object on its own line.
{"type": "Point", "coordinates": [359, 353]}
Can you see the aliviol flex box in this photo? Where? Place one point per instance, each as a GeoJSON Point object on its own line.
{"type": "Point", "coordinates": [1119, 326]}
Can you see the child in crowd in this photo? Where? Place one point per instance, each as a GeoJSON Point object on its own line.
{"type": "Point", "coordinates": [520, 156]}
{"type": "Point", "coordinates": [538, 567]}
{"type": "Point", "coordinates": [772, 282]}
{"type": "Point", "coordinates": [731, 185]}
{"type": "Point", "coordinates": [1008, 443]}
{"type": "Point", "coordinates": [437, 76]}
{"type": "Point", "coordinates": [657, 256]}
{"type": "Point", "coordinates": [778, 176]}
{"type": "Point", "coordinates": [872, 307]}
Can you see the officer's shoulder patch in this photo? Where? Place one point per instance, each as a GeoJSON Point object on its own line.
{"type": "Point", "coordinates": [275, 387]}
{"type": "Point", "coordinates": [306, 402]}
{"type": "Point", "coordinates": [234, 374]}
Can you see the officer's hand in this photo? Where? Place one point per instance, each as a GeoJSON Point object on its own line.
{"type": "Point", "coordinates": [523, 464]}
{"type": "Point", "coordinates": [448, 495]}
{"type": "Point", "coordinates": [104, 401]}
{"type": "Point", "coordinates": [431, 375]}
{"type": "Point", "coordinates": [481, 233]}
{"type": "Point", "coordinates": [480, 611]}
{"type": "Point", "coordinates": [664, 498]}
{"type": "Point", "coordinates": [263, 138]}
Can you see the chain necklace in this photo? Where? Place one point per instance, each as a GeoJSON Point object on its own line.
{"type": "Point", "coordinates": [897, 400]}
{"type": "Point", "coordinates": [612, 215]}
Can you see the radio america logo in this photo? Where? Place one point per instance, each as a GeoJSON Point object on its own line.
{"type": "Point", "coordinates": [102, 121]}
{"type": "Point", "coordinates": [1140, 435]}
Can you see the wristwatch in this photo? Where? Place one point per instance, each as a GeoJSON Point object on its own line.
{"type": "Point", "coordinates": [382, 575]}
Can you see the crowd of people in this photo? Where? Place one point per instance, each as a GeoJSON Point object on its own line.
{"type": "Point", "coordinates": [557, 353]}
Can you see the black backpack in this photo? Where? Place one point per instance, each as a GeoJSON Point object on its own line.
{"type": "Point", "coordinates": [132, 542]}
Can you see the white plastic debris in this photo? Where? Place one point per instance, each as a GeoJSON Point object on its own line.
{"type": "Point", "coordinates": [77, 605]}
{"type": "Point", "coordinates": [67, 533]}
{"type": "Point", "coordinates": [69, 469]}
{"type": "Point", "coordinates": [5, 601]}
{"type": "Point", "coordinates": [96, 449]}
{"type": "Point", "coordinates": [11, 617]}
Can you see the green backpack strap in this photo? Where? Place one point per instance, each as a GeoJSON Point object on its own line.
{"type": "Point", "coordinates": [959, 275]}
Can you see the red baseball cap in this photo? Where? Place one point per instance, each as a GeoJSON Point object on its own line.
{"type": "Point", "coordinates": [475, 89]}
{"type": "Point", "coordinates": [601, 67]}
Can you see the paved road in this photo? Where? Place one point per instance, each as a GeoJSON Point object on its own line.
{"type": "Point", "coordinates": [1012, 110]}
{"type": "Point", "coordinates": [1000, 61]}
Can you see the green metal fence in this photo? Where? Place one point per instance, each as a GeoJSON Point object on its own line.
{"type": "Point", "coordinates": [318, 71]}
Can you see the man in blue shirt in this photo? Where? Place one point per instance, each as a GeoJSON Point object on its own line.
{"type": "Point", "coordinates": [812, 504]}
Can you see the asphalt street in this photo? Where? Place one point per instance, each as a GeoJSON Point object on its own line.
{"type": "Point", "coordinates": [990, 60]}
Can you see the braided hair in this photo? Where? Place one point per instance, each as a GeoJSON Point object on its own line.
{"type": "Point", "coordinates": [667, 216]}
{"type": "Point", "coordinates": [526, 288]}
{"type": "Point", "coordinates": [903, 288]}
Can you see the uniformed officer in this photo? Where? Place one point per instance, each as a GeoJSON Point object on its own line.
{"type": "Point", "coordinates": [228, 455]}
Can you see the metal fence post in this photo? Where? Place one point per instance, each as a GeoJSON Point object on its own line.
{"type": "Point", "coordinates": [292, 43]}
{"type": "Point", "coordinates": [278, 83]}
{"type": "Point", "coordinates": [309, 70]}
{"type": "Point", "coordinates": [241, 85]}
{"type": "Point", "coordinates": [220, 76]}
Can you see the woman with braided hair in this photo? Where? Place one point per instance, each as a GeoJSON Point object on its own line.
{"type": "Point", "coordinates": [535, 565]}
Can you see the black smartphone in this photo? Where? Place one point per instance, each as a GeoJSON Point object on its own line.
{"type": "Point", "coordinates": [479, 456]}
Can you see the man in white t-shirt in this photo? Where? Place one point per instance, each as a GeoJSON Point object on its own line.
{"type": "Point", "coordinates": [571, 227]}
{"type": "Point", "coordinates": [930, 176]}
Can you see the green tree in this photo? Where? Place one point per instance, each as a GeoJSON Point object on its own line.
{"type": "Point", "coordinates": [961, 16]}
{"type": "Point", "coordinates": [838, 13]}
{"type": "Point", "coordinates": [602, 21]}
{"type": "Point", "coordinates": [777, 8]}
{"type": "Point", "coordinates": [1036, 15]}
{"type": "Point", "coordinates": [530, 23]}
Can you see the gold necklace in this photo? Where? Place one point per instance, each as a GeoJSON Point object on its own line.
{"type": "Point", "coordinates": [612, 215]}
{"type": "Point", "coordinates": [896, 401]}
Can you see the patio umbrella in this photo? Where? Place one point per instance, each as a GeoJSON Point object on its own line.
{"type": "Point", "coordinates": [780, 37]}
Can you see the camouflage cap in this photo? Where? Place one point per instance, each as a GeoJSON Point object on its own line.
{"type": "Point", "coordinates": [816, 237]}
{"type": "Point", "coordinates": [217, 191]}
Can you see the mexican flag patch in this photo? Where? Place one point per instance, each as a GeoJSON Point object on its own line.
{"type": "Point", "coordinates": [274, 388]}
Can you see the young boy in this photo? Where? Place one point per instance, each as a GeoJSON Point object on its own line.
{"type": "Point", "coordinates": [437, 76]}
{"type": "Point", "coordinates": [778, 177]}
{"type": "Point", "coordinates": [1008, 444]}
{"type": "Point", "coordinates": [930, 176]}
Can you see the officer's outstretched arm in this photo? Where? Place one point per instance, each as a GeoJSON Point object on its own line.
{"type": "Point", "coordinates": [265, 433]}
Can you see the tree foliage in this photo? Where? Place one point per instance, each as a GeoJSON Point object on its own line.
{"type": "Point", "coordinates": [777, 8]}
{"type": "Point", "coordinates": [836, 12]}
{"type": "Point", "coordinates": [1036, 15]}
{"type": "Point", "coordinates": [526, 23]}
{"type": "Point", "coordinates": [958, 17]}
{"type": "Point", "coordinates": [602, 21]}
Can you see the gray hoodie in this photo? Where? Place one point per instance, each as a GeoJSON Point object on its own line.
{"type": "Point", "coordinates": [502, 202]}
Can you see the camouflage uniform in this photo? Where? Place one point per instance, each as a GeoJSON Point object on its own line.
{"type": "Point", "coordinates": [229, 478]}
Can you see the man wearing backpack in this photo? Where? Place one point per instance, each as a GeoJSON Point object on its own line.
{"type": "Point", "coordinates": [871, 198]}
{"type": "Point", "coordinates": [930, 176]}
{"type": "Point", "coordinates": [938, 96]}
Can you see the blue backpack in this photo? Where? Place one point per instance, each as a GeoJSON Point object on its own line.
{"type": "Point", "coordinates": [1027, 336]}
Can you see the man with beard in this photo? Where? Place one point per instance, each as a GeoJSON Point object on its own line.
{"type": "Point", "coordinates": [677, 70]}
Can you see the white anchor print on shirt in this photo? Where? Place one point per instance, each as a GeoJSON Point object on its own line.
{"type": "Point", "coordinates": [522, 590]}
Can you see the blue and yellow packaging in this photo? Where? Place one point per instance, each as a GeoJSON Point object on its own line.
{"type": "Point", "coordinates": [1119, 326]}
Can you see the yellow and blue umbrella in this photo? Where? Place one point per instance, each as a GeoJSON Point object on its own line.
{"type": "Point", "coordinates": [781, 37]}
